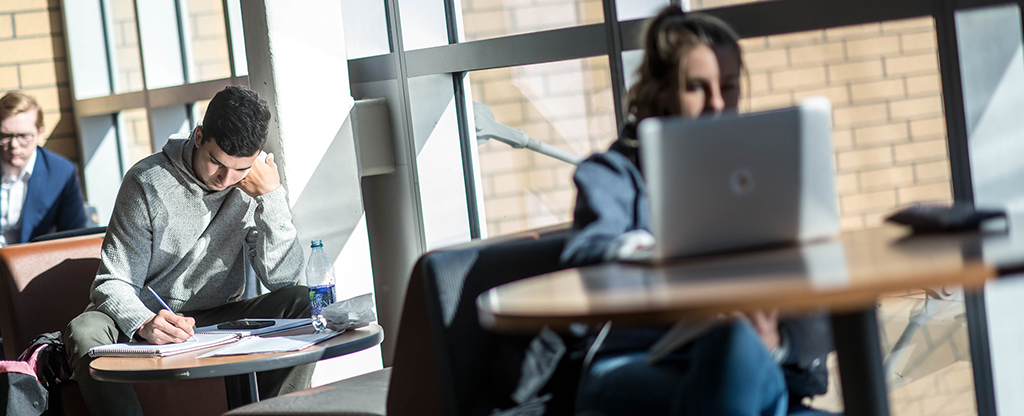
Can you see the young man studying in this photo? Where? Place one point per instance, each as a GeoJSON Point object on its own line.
{"type": "Point", "coordinates": [178, 225]}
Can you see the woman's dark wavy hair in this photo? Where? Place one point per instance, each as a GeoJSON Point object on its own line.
{"type": "Point", "coordinates": [669, 37]}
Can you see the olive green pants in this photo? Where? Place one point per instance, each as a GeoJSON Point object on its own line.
{"type": "Point", "coordinates": [96, 328]}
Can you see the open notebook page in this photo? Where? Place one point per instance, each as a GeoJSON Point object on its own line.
{"type": "Point", "coordinates": [139, 349]}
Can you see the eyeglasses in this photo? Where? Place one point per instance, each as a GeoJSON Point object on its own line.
{"type": "Point", "coordinates": [23, 139]}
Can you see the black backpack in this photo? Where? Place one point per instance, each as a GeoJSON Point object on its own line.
{"type": "Point", "coordinates": [25, 383]}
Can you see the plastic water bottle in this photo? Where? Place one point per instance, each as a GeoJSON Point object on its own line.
{"type": "Point", "coordinates": [320, 279]}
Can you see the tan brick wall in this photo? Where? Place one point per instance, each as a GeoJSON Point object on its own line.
{"type": "Point", "coordinates": [483, 19]}
{"type": "Point", "coordinates": [882, 80]}
{"type": "Point", "coordinates": [566, 104]}
{"type": "Point", "coordinates": [135, 133]}
{"type": "Point", "coordinates": [126, 46]}
{"type": "Point", "coordinates": [884, 86]}
{"type": "Point", "coordinates": [33, 60]}
{"type": "Point", "coordinates": [209, 40]}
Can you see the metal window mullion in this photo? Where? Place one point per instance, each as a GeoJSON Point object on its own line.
{"type": "Point", "coordinates": [614, 38]}
{"type": "Point", "coordinates": [393, 15]}
{"type": "Point", "coordinates": [74, 101]}
{"type": "Point", "coordinates": [953, 102]}
{"type": "Point", "coordinates": [116, 123]}
{"type": "Point", "coordinates": [230, 41]}
{"type": "Point", "coordinates": [185, 70]}
{"type": "Point", "coordinates": [106, 46]}
{"type": "Point", "coordinates": [145, 92]}
{"type": "Point", "coordinates": [516, 50]}
{"type": "Point", "coordinates": [960, 170]}
{"type": "Point", "coordinates": [466, 138]}
{"type": "Point", "coordinates": [185, 74]}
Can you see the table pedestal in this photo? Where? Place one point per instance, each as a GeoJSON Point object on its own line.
{"type": "Point", "coordinates": [241, 390]}
{"type": "Point", "coordinates": [859, 352]}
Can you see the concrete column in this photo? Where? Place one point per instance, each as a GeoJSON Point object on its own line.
{"type": "Point", "coordinates": [297, 62]}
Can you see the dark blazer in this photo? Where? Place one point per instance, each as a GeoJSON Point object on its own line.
{"type": "Point", "coordinates": [54, 197]}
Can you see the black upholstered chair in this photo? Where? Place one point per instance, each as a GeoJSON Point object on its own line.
{"type": "Point", "coordinates": [444, 362]}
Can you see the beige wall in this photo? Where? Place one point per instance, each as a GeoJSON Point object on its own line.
{"type": "Point", "coordinates": [882, 80]}
{"type": "Point", "coordinates": [34, 61]}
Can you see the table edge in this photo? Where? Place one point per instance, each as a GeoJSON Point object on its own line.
{"type": "Point", "coordinates": [229, 369]}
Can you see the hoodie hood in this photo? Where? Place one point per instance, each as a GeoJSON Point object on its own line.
{"type": "Point", "coordinates": [179, 151]}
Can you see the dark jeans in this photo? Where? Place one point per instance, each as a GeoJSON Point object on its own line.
{"type": "Point", "coordinates": [96, 328]}
{"type": "Point", "coordinates": [726, 371]}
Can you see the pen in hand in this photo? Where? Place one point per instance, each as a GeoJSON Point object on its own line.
{"type": "Point", "coordinates": [164, 304]}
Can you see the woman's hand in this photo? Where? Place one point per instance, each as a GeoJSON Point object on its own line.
{"type": "Point", "coordinates": [766, 324]}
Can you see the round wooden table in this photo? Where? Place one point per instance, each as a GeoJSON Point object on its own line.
{"type": "Point", "coordinates": [844, 275]}
{"type": "Point", "coordinates": [239, 371]}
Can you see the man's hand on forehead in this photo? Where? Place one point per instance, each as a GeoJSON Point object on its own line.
{"type": "Point", "coordinates": [262, 178]}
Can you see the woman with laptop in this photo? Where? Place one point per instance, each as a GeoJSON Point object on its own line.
{"type": "Point", "coordinates": [753, 364]}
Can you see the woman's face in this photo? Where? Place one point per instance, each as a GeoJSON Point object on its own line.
{"type": "Point", "coordinates": [709, 81]}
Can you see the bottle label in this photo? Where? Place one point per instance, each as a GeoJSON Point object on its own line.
{"type": "Point", "coordinates": [320, 296]}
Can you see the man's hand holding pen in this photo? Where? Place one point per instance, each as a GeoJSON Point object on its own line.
{"type": "Point", "coordinates": [167, 328]}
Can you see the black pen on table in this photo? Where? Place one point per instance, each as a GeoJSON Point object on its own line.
{"type": "Point", "coordinates": [164, 304]}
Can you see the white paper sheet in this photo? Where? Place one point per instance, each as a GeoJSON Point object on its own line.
{"type": "Point", "coordinates": [261, 345]}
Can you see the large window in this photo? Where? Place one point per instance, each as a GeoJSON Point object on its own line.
{"type": "Point", "coordinates": [566, 104]}
{"type": "Point", "coordinates": [141, 70]}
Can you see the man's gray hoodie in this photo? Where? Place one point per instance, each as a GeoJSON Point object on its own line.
{"type": "Point", "coordinates": [172, 232]}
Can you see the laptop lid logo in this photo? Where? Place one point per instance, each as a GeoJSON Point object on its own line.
{"type": "Point", "coordinates": [741, 181]}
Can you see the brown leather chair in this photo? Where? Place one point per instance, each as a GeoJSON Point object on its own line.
{"type": "Point", "coordinates": [43, 286]}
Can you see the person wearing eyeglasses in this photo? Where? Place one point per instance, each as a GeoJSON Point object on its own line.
{"type": "Point", "coordinates": [40, 192]}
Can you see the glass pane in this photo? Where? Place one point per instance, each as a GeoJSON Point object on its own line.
{"type": "Point", "coordinates": [125, 40]}
{"type": "Point", "coordinates": [483, 19]}
{"type": "Point", "coordinates": [889, 128]}
{"type": "Point", "coordinates": [198, 111]}
{"type": "Point", "coordinates": [87, 49]}
{"type": "Point", "coordinates": [423, 24]}
{"type": "Point", "coordinates": [168, 121]}
{"type": "Point", "coordinates": [439, 164]}
{"type": "Point", "coordinates": [207, 41]}
{"type": "Point", "coordinates": [102, 168]}
{"type": "Point", "coordinates": [565, 104]}
{"type": "Point", "coordinates": [366, 28]}
{"type": "Point", "coordinates": [133, 129]}
{"type": "Point", "coordinates": [638, 9]}
{"type": "Point", "coordinates": [161, 45]}
{"type": "Point", "coordinates": [992, 72]}
{"type": "Point", "coordinates": [711, 4]}
{"type": "Point", "coordinates": [237, 39]}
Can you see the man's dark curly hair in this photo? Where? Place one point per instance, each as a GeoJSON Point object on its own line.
{"type": "Point", "coordinates": [237, 118]}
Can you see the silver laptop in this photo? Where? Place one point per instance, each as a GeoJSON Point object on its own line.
{"type": "Point", "coordinates": [740, 181]}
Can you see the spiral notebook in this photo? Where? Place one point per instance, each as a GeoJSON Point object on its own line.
{"type": "Point", "coordinates": [139, 349]}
